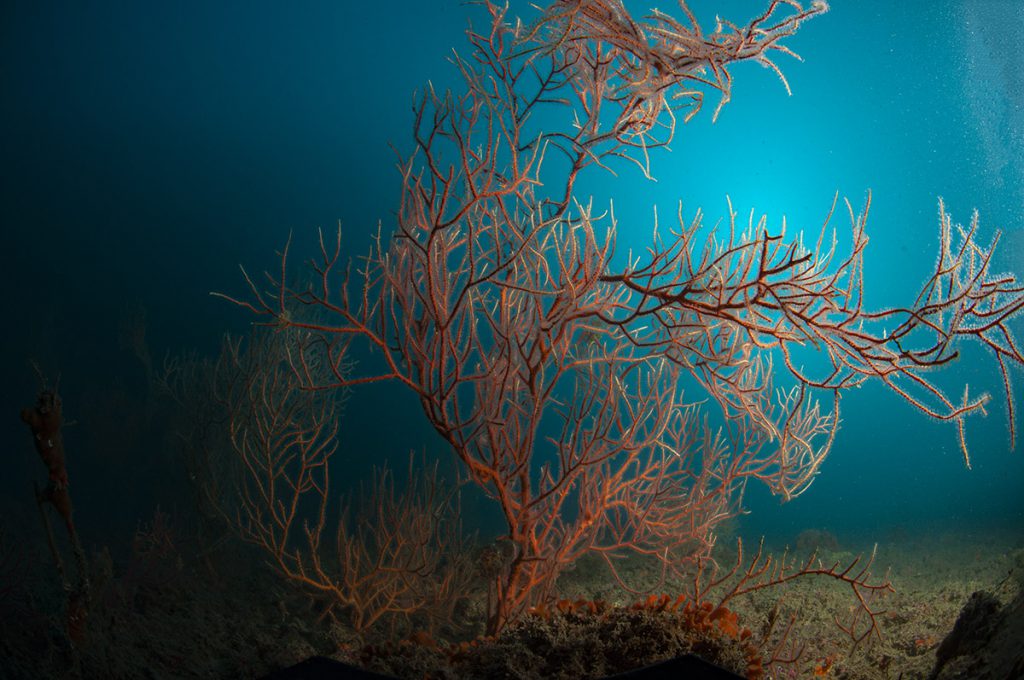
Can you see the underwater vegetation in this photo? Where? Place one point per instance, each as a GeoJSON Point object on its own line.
{"type": "Point", "coordinates": [612, 406]}
{"type": "Point", "coordinates": [553, 372]}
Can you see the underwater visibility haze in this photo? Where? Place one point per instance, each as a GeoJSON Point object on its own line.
{"type": "Point", "coordinates": [547, 317]}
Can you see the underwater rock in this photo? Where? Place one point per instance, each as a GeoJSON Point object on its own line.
{"type": "Point", "coordinates": [587, 639]}
{"type": "Point", "coordinates": [985, 642]}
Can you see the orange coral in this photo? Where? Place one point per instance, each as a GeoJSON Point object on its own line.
{"type": "Point", "coordinates": [923, 643]}
{"type": "Point", "coordinates": [824, 667]}
{"type": "Point", "coordinates": [707, 619]}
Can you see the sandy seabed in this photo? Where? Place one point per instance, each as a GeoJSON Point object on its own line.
{"type": "Point", "coordinates": [220, 614]}
{"type": "Point", "coordinates": [933, 576]}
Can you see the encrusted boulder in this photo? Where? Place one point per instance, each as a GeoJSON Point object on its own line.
{"type": "Point", "coordinates": [986, 643]}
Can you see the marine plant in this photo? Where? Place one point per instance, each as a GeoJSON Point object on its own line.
{"type": "Point", "coordinates": [554, 370]}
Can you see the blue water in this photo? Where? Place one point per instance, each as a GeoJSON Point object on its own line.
{"type": "Point", "coordinates": [148, 149]}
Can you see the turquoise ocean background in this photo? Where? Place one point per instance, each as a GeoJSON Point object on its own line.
{"type": "Point", "coordinates": [149, 148]}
